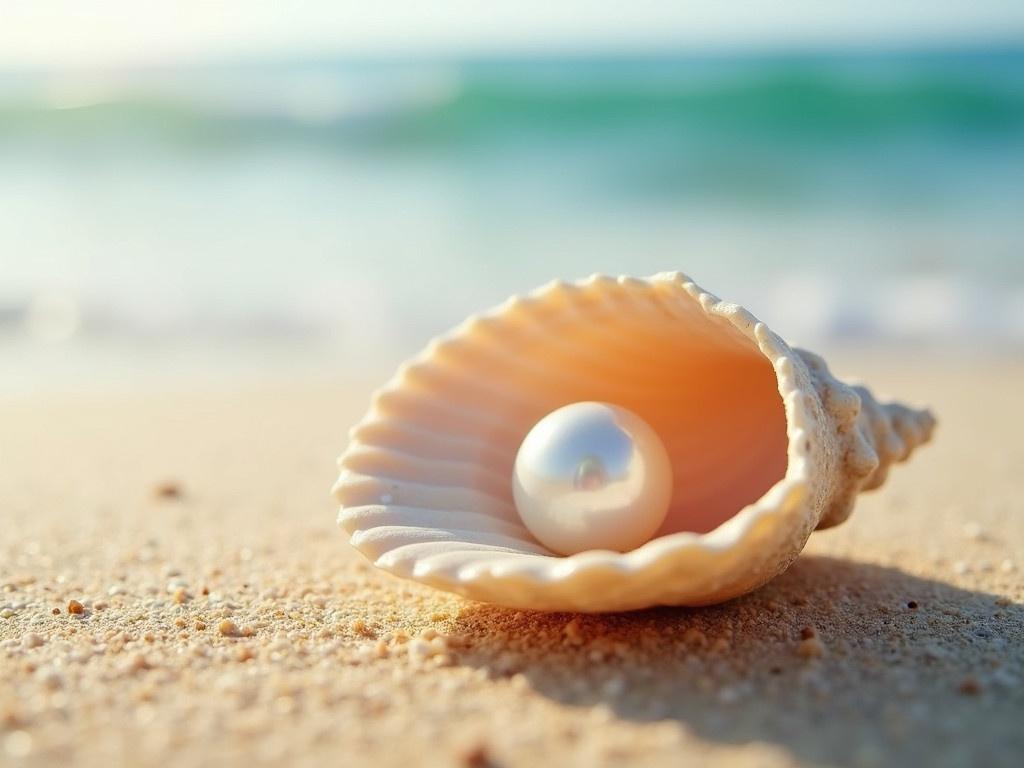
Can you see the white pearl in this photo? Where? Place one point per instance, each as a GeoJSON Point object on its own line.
{"type": "Point", "coordinates": [592, 476]}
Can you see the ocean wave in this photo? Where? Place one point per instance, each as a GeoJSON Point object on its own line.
{"type": "Point", "coordinates": [467, 105]}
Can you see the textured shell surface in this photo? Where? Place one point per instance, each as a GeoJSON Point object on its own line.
{"type": "Point", "coordinates": [765, 446]}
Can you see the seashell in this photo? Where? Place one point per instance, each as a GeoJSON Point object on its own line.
{"type": "Point", "coordinates": [765, 445]}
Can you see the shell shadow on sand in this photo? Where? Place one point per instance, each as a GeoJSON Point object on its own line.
{"type": "Point", "coordinates": [836, 662]}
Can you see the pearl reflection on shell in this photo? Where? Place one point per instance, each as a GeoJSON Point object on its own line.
{"type": "Point", "coordinates": [592, 476]}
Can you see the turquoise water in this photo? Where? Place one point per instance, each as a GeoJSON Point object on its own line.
{"type": "Point", "coordinates": [361, 206]}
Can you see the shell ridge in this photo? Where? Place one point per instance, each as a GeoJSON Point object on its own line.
{"type": "Point", "coordinates": [439, 486]}
{"type": "Point", "coordinates": [392, 437]}
{"type": "Point", "coordinates": [397, 467]}
{"type": "Point", "coordinates": [364, 490]}
{"type": "Point", "coordinates": [449, 518]}
{"type": "Point", "coordinates": [504, 354]}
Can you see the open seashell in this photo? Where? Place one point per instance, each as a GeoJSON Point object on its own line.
{"type": "Point", "coordinates": [765, 446]}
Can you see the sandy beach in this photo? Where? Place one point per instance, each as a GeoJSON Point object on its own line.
{"type": "Point", "coordinates": [174, 591]}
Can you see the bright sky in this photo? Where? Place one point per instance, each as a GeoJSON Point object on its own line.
{"type": "Point", "coordinates": [74, 33]}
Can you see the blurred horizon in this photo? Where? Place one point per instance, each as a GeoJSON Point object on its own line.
{"type": "Point", "coordinates": [280, 212]}
{"type": "Point", "coordinates": [62, 34]}
{"type": "Point", "coordinates": [989, 46]}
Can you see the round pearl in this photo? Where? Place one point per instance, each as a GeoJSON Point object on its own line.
{"type": "Point", "coordinates": [592, 476]}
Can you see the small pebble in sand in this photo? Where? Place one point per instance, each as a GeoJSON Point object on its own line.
{"type": "Point", "coordinates": [807, 633]}
{"type": "Point", "coordinates": [31, 640]}
{"type": "Point", "coordinates": [6, 613]}
{"type": "Point", "coordinates": [400, 636]}
{"type": "Point", "coordinates": [168, 490]}
{"type": "Point", "coordinates": [476, 756]}
{"type": "Point", "coordinates": [572, 632]}
{"type": "Point", "coordinates": [419, 649]}
{"type": "Point", "coordinates": [75, 607]}
{"type": "Point", "coordinates": [180, 595]}
{"type": "Point", "coordinates": [969, 686]}
{"type": "Point", "coordinates": [811, 648]}
{"type": "Point", "coordinates": [370, 651]}
{"type": "Point", "coordinates": [55, 611]}
{"type": "Point", "coordinates": [435, 649]}
{"type": "Point", "coordinates": [201, 625]}
{"type": "Point", "coordinates": [912, 604]}
{"type": "Point", "coordinates": [360, 627]}
{"type": "Point", "coordinates": [228, 628]}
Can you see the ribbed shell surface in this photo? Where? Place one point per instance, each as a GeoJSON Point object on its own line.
{"type": "Point", "coordinates": [765, 446]}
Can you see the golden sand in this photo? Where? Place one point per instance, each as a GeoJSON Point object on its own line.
{"type": "Point", "coordinates": [173, 591]}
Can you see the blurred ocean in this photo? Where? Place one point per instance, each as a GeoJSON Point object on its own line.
{"type": "Point", "coordinates": [338, 213]}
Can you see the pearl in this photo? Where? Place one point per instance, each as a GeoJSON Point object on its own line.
{"type": "Point", "coordinates": [592, 476]}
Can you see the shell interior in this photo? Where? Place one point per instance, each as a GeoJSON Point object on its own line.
{"type": "Point", "coordinates": [441, 438]}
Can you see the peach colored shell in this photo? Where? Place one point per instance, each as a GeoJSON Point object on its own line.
{"type": "Point", "coordinates": [765, 446]}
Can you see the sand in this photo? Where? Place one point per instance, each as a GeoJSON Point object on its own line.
{"type": "Point", "coordinates": [173, 591]}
